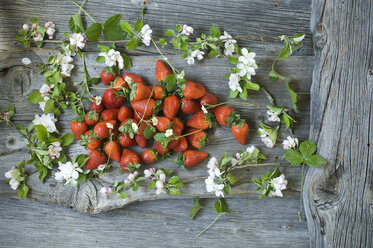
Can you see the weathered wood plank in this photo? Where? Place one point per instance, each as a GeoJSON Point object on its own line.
{"type": "Point", "coordinates": [339, 197]}
{"type": "Point", "coordinates": [254, 17]}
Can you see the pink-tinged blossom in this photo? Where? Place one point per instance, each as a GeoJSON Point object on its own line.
{"type": "Point", "coordinates": [187, 30]}
{"type": "Point", "coordinates": [290, 143]}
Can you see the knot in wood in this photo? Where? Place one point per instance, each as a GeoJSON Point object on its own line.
{"type": "Point", "coordinates": [325, 192]}
{"type": "Point", "coordinates": [18, 81]}
{"type": "Point", "coordinates": [320, 37]}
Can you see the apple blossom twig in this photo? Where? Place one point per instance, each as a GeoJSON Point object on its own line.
{"type": "Point", "coordinates": [163, 57]}
{"type": "Point", "coordinates": [81, 8]}
{"type": "Point", "coordinates": [212, 223]}
{"type": "Point", "coordinates": [233, 102]}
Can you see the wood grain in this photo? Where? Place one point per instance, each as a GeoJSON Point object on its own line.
{"type": "Point", "coordinates": [339, 197]}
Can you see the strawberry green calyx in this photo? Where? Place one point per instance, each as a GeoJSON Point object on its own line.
{"type": "Point", "coordinates": [210, 118]}
{"type": "Point", "coordinates": [179, 160]}
{"type": "Point", "coordinates": [235, 119]}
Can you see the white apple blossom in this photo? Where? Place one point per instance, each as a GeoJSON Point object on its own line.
{"type": "Point", "coordinates": [149, 172]}
{"type": "Point", "coordinates": [45, 88]}
{"type": "Point", "coordinates": [146, 33]}
{"type": "Point", "coordinates": [169, 132]}
{"type": "Point", "coordinates": [190, 60]}
{"type": "Point", "coordinates": [279, 184]}
{"type": "Point", "coordinates": [134, 127]}
{"type": "Point", "coordinates": [131, 177]}
{"type": "Point", "coordinates": [187, 30]}
{"type": "Point", "coordinates": [290, 143]}
{"type": "Point", "coordinates": [238, 155]}
{"type": "Point", "coordinates": [38, 37]}
{"type": "Point", "coordinates": [109, 125]}
{"type": "Point", "coordinates": [267, 141]}
{"type": "Point", "coordinates": [26, 27]}
{"type": "Point", "coordinates": [247, 64]}
{"type": "Point", "coordinates": [154, 121]}
{"type": "Point", "coordinates": [212, 186]}
{"type": "Point", "coordinates": [101, 167]}
{"type": "Point", "coordinates": [54, 150]}
{"type": "Point", "coordinates": [64, 61]}
{"type": "Point", "coordinates": [228, 43]}
{"type": "Point", "coordinates": [50, 29]}
{"type": "Point", "coordinates": [247, 58]}
{"type": "Point", "coordinates": [48, 121]}
{"type": "Point", "coordinates": [234, 82]}
{"type": "Point", "coordinates": [106, 190]}
{"type": "Point", "coordinates": [69, 172]}
{"type": "Point", "coordinates": [78, 40]}
{"type": "Point", "coordinates": [160, 184]}
{"type": "Point", "coordinates": [198, 54]}
{"type": "Point", "coordinates": [250, 149]}
{"type": "Point", "coordinates": [13, 182]}
{"type": "Point", "coordinates": [204, 110]}
{"type": "Point", "coordinates": [273, 116]}
{"type": "Point", "coordinates": [42, 103]}
{"type": "Point", "coordinates": [112, 57]}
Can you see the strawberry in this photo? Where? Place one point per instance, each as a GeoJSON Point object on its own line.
{"type": "Point", "coordinates": [115, 130]}
{"type": "Point", "coordinates": [120, 83]}
{"type": "Point", "coordinates": [149, 156]}
{"type": "Point", "coordinates": [182, 146]}
{"type": "Point", "coordinates": [139, 91]}
{"type": "Point", "coordinates": [222, 114]}
{"type": "Point", "coordinates": [199, 121]}
{"type": "Point", "coordinates": [90, 140]}
{"type": "Point", "coordinates": [124, 112]}
{"type": "Point", "coordinates": [141, 128]}
{"type": "Point", "coordinates": [107, 75]}
{"type": "Point", "coordinates": [126, 141]}
{"type": "Point", "coordinates": [210, 99]}
{"type": "Point", "coordinates": [113, 99]}
{"type": "Point", "coordinates": [193, 90]}
{"type": "Point", "coordinates": [197, 139]}
{"type": "Point", "coordinates": [171, 105]}
{"type": "Point", "coordinates": [101, 130]}
{"type": "Point", "coordinates": [145, 106]}
{"type": "Point", "coordinates": [112, 149]}
{"type": "Point", "coordinates": [141, 140]}
{"type": "Point", "coordinates": [177, 126]}
{"type": "Point", "coordinates": [96, 158]}
{"type": "Point", "coordinates": [158, 147]}
{"type": "Point", "coordinates": [163, 123]}
{"type": "Point", "coordinates": [134, 78]}
{"type": "Point", "coordinates": [78, 128]}
{"type": "Point", "coordinates": [127, 157]}
{"type": "Point", "coordinates": [126, 127]}
{"type": "Point", "coordinates": [240, 132]}
{"type": "Point", "coordinates": [161, 70]}
{"type": "Point", "coordinates": [191, 158]}
{"type": "Point", "coordinates": [92, 117]}
{"type": "Point", "coordinates": [189, 106]}
{"type": "Point", "coordinates": [158, 92]}
{"type": "Point", "coordinates": [110, 114]}
{"type": "Point", "coordinates": [97, 107]}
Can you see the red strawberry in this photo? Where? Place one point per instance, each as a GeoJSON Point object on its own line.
{"type": "Point", "coordinates": [199, 121]}
{"type": "Point", "coordinates": [159, 148]}
{"type": "Point", "coordinates": [90, 140]}
{"type": "Point", "coordinates": [112, 149]}
{"type": "Point", "coordinates": [78, 128]}
{"type": "Point", "coordinates": [101, 130]}
{"type": "Point", "coordinates": [197, 139]}
{"type": "Point", "coordinates": [145, 106]}
{"type": "Point", "coordinates": [163, 123]}
{"type": "Point", "coordinates": [189, 106]}
{"type": "Point", "coordinates": [171, 105]}
{"type": "Point", "coordinates": [141, 128]}
{"type": "Point", "coordinates": [113, 99]}
{"type": "Point", "coordinates": [126, 141]}
{"type": "Point", "coordinates": [97, 107]}
{"type": "Point", "coordinates": [124, 112]}
{"type": "Point", "coordinates": [240, 133]}
{"type": "Point", "coordinates": [96, 158]}
{"type": "Point", "coordinates": [182, 146]}
{"type": "Point", "coordinates": [193, 90]}
{"type": "Point", "coordinates": [134, 78]}
{"type": "Point", "coordinates": [127, 157]}
{"type": "Point", "coordinates": [110, 114]}
{"type": "Point", "coordinates": [161, 70]}
{"type": "Point", "coordinates": [92, 117]}
{"type": "Point", "coordinates": [107, 75]}
{"type": "Point", "coordinates": [222, 114]}
{"type": "Point", "coordinates": [177, 126]}
{"type": "Point", "coordinates": [158, 92]}
{"type": "Point", "coordinates": [141, 140]}
{"type": "Point", "coordinates": [210, 99]}
{"type": "Point", "coordinates": [149, 156]}
{"type": "Point", "coordinates": [192, 157]}
{"type": "Point", "coordinates": [139, 91]}
{"type": "Point", "coordinates": [120, 83]}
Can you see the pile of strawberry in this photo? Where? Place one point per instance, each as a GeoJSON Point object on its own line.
{"type": "Point", "coordinates": [131, 113]}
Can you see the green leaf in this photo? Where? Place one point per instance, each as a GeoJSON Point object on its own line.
{"type": "Point", "coordinates": [49, 106]}
{"type": "Point", "coordinates": [285, 52]}
{"type": "Point", "coordinates": [135, 187]}
{"type": "Point", "coordinates": [138, 25]}
{"type": "Point", "coordinates": [169, 32]}
{"type": "Point", "coordinates": [132, 44]}
{"type": "Point", "coordinates": [274, 76]}
{"type": "Point", "coordinates": [93, 32]}
{"type": "Point", "coordinates": [67, 139]}
{"type": "Point", "coordinates": [23, 190]}
{"type": "Point", "coordinates": [123, 195]}
{"type": "Point", "coordinates": [42, 132]}
{"type": "Point", "coordinates": [243, 94]}
{"type": "Point", "coordinates": [298, 37]}
{"type": "Point", "coordinates": [215, 31]}
{"type": "Point", "coordinates": [126, 26]}
{"type": "Point", "coordinates": [293, 156]}
{"type": "Point", "coordinates": [195, 209]}
{"type": "Point", "coordinates": [232, 60]}
{"type": "Point", "coordinates": [232, 179]}
{"type": "Point", "coordinates": [112, 21]}
{"type": "Point", "coordinates": [218, 207]}
{"type": "Point", "coordinates": [114, 33]}
{"type": "Point", "coordinates": [224, 206]}
{"type": "Point", "coordinates": [179, 28]}
{"type": "Point", "coordinates": [76, 23]}
{"type": "Point", "coordinates": [173, 180]}
{"type": "Point", "coordinates": [227, 189]}
{"type": "Point", "coordinates": [152, 184]}
{"type": "Point", "coordinates": [149, 132]}
{"type": "Point", "coordinates": [315, 160]}
{"type": "Point", "coordinates": [293, 96]}
{"type": "Point", "coordinates": [176, 42]}
{"type": "Point", "coordinates": [100, 59]}
{"type": "Point", "coordinates": [35, 97]}
{"type": "Point", "coordinates": [174, 191]}
{"type": "Point", "coordinates": [233, 94]}
{"type": "Point", "coordinates": [126, 60]}
{"type": "Point", "coordinates": [307, 148]}
{"type": "Point", "coordinates": [170, 81]}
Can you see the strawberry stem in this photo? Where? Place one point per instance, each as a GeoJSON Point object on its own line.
{"type": "Point", "coordinates": [164, 58]}
{"type": "Point", "coordinates": [178, 137]}
{"type": "Point", "coordinates": [212, 223]}
{"type": "Point", "coordinates": [223, 103]}
{"type": "Point", "coordinates": [81, 9]}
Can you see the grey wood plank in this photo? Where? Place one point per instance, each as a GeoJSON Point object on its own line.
{"type": "Point", "coordinates": [338, 199]}
{"type": "Point", "coordinates": [254, 17]}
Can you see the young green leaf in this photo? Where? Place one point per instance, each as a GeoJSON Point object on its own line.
{"type": "Point", "coordinates": [315, 160]}
{"type": "Point", "coordinates": [23, 190]}
{"type": "Point", "coordinates": [195, 209]}
{"type": "Point", "coordinates": [138, 25]}
{"type": "Point", "coordinates": [132, 44]}
{"type": "Point", "coordinates": [76, 23]}
{"type": "Point", "coordinates": [42, 133]}
{"type": "Point", "coordinates": [169, 32]}
{"type": "Point", "coordinates": [67, 139]}
{"type": "Point", "coordinates": [126, 26]}
{"type": "Point", "coordinates": [35, 97]}
{"type": "Point", "coordinates": [293, 156]}
{"type": "Point", "coordinates": [93, 32]}
{"type": "Point", "coordinates": [293, 96]}
{"type": "Point", "coordinates": [307, 148]}
{"type": "Point", "coordinates": [215, 31]}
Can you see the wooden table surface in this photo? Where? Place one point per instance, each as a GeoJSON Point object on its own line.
{"type": "Point", "coordinates": [160, 222]}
